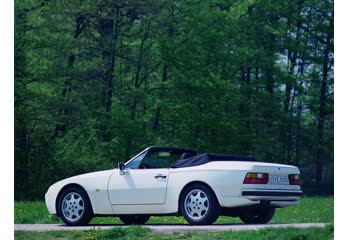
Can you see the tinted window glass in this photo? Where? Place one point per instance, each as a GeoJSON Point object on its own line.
{"type": "Point", "coordinates": [136, 162]}
{"type": "Point", "coordinates": [160, 159]}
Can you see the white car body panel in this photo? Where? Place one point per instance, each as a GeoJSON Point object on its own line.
{"type": "Point", "coordinates": [95, 184]}
{"type": "Point", "coordinates": [137, 191]}
{"type": "Point", "coordinates": [138, 186]}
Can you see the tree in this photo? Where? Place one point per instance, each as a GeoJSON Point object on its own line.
{"type": "Point", "coordinates": [97, 81]}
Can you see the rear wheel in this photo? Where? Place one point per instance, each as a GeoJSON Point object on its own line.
{"type": "Point", "coordinates": [259, 215]}
{"type": "Point", "coordinates": [199, 206]}
{"type": "Point", "coordinates": [74, 207]}
{"type": "Point", "coordinates": [134, 219]}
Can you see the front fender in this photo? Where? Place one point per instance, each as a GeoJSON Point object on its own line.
{"type": "Point", "coordinates": [96, 186]}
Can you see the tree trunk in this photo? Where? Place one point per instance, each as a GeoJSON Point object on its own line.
{"type": "Point", "coordinates": [244, 109]}
{"type": "Point", "coordinates": [156, 120]}
{"type": "Point", "coordinates": [61, 127]}
{"type": "Point", "coordinates": [109, 29]}
{"type": "Point", "coordinates": [299, 113]}
{"type": "Point", "coordinates": [298, 133]}
{"type": "Point", "coordinates": [320, 154]}
{"type": "Point", "coordinates": [22, 158]}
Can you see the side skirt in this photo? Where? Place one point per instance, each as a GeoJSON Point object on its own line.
{"type": "Point", "coordinates": [176, 214]}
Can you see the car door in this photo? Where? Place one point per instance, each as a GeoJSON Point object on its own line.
{"type": "Point", "coordinates": [138, 186]}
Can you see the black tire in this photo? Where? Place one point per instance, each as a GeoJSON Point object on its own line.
{"type": "Point", "coordinates": [85, 213]}
{"type": "Point", "coordinates": [259, 215]}
{"type": "Point", "coordinates": [134, 219]}
{"type": "Point", "coordinates": [210, 215]}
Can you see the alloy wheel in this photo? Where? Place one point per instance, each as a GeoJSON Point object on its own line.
{"type": "Point", "coordinates": [72, 206]}
{"type": "Point", "coordinates": [196, 204]}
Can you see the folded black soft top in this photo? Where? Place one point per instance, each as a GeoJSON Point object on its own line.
{"type": "Point", "coordinates": [209, 157]}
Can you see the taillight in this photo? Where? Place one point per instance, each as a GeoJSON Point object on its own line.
{"type": "Point", "coordinates": [294, 179]}
{"type": "Point", "coordinates": [256, 178]}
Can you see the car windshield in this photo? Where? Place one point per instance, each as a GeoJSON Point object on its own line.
{"type": "Point", "coordinates": [136, 162]}
{"type": "Point", "coordinates": [154, 159]}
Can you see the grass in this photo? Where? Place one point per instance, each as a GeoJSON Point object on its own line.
{"type": "Point", "coordinates": [146, 233]}
{"type": "Point", "coordinates": [310, 209]}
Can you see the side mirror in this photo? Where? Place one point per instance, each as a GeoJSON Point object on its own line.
{"type": "Point", "coordinates": [121, 166]}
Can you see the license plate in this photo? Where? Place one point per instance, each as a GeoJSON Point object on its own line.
{"type": "Point", "coordinates": [278, 180]}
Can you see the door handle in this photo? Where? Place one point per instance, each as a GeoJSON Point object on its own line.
{"type": "Point", "coordinates": [159, 176]}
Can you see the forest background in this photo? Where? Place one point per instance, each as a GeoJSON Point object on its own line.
{"type": "Point", "coordinates": [96, 81]}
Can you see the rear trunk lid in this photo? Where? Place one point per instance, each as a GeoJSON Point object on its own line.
{"type": "Point", "coordinates": [278, 175]}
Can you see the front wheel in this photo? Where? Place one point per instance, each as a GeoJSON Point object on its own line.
{"type": "Point", "coordinates": [134, 219]}
{"type": "Point", "coordinates": [74, 207]}
{"type": "Point", "coordinates": [199, 206]}
{"type": "Point", "coordinates": [259, 215]}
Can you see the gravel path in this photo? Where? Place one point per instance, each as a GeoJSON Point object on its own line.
{"type": "Point", "coordinates": [165, 228]}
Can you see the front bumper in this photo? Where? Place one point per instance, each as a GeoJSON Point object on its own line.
{"type": "Point", "coordinates": [50, 200]}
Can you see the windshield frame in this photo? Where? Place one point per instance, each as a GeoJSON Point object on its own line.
{"type": "Point", "coordinates": [156, 149]}
{"type": "Point", "coordinates": [136, 156]}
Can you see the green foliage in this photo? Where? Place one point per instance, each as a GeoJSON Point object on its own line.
{"type": "Point", "coordinates": [33, 212]}
{"type": "Point", "coordinates": [144, 233]}
{"type": "Point", "coordinates": [310, 209]}
{"type": "Point", "coordinates": [98, 81]}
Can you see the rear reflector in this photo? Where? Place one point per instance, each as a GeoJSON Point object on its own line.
{"type": "Point", "coordinates": [294, 179]}
{"type": "Point", "coordinates": [256, 178]}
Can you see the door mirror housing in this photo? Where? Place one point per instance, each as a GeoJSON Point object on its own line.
{"type": "Point", "coordinates": [121, 166]}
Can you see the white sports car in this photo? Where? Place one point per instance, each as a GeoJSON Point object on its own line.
{"type": "Point", "coordinates": [176, 181]}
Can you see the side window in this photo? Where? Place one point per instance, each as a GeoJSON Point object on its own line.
{"type": "Point", "coordinates": [159, 159]}
{"type": "Point", "coordinates": [136, 162]}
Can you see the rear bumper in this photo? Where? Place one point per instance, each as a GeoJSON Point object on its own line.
{"type": "Point", "coordinates": [272, 194]}
{"type": "Point", "coordinates": [277, 198]}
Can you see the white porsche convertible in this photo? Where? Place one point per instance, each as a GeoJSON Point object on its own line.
{"type": "Point", "coordinates": [176, 181]}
